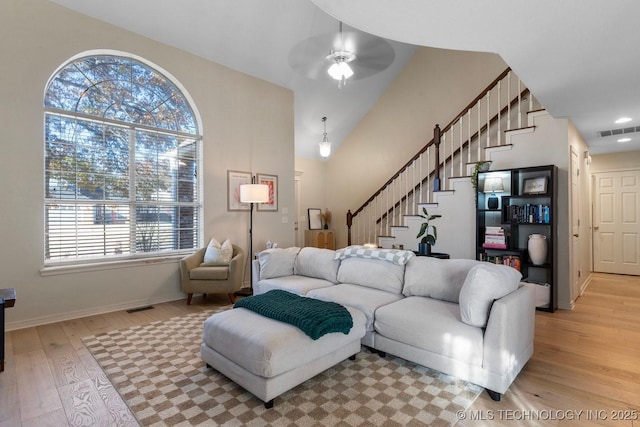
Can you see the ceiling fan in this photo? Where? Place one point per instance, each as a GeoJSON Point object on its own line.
{"type": "Point", "coordinates": [342, 56]}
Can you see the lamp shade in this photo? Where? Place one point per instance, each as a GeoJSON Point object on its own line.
{"type": "Point", "coordinates": [325, 148]}
{"type": "Point", "coordinates": [254, 193]}
{"type": "Point", "coordinates": [493, 185]}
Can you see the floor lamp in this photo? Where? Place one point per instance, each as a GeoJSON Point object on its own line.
{"type": "Point", "coordinates": [252, 193]}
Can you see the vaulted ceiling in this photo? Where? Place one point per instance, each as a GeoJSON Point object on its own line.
{"type": "Point", "coordinates": [577, 56]}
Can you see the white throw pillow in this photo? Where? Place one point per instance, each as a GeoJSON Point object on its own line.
{"type": "Point", "coordinates": [484, 284]}
{"type": "Point", "coordinates": [217, 254]}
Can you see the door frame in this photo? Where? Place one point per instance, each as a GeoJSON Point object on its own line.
{"type": "Point", "coordinates": [574, 216]}
{"type": "Point", "coordinates": [594, 191]}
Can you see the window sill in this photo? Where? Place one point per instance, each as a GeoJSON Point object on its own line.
{"type": "Point", "coordinates": [53, 270]}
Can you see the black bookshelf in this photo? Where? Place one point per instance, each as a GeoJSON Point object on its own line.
{"type": "Point", "coordinates": [524, 202]}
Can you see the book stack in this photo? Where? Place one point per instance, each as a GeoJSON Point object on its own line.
{"type": "Point", "coordinates": [529, 214]}
{"type": "Point", "coordinates": [512, 261]}
{"type": "Point", "coordinates": [494, 238]}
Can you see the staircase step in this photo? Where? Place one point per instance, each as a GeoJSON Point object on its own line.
{"type": "Point", "coordinates": [531, 115]}
{"type": "Point", "coordinates": [519, 131]}
{"type": "Point", "coordinates": [497, 148]}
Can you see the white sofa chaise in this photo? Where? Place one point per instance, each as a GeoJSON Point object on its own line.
{"type": "Point", "coordinates": [469, 319]}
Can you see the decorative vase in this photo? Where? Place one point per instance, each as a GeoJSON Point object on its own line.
{"type": "Point", "coordinates": [537, 247]}
{"type": "Point", "coordinates": [424, 248]}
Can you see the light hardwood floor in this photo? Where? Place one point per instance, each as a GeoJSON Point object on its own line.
{"type": "Point", "coordinates": [586, 360]}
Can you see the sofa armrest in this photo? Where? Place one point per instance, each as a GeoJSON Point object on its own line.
{"type": "Point", "coordinates": [509, 336]}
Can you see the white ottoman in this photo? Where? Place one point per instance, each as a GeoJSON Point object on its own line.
{"type": "Point", "coordinates": [268, 357]}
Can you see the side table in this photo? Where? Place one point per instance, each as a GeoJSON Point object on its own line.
{"type": "Point", "coordinates": [440, 255]}
{"type": "Point", "coordinates": [7, 299]}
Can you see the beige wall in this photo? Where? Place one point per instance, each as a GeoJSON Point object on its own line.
{"type": "Point", "coordinates": [312, 190]}
{"type": "Point", "coordinates": [247, 125]}
{"type": "Point", "coordinates": [615, 161]}
{"type": "Point", "coordinates": [434, 87]}
{"type": "Point", "coordinates": [584, 212]}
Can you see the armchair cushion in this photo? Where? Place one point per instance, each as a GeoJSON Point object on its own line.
{"type": "Point", "coordinates": [209, 273]}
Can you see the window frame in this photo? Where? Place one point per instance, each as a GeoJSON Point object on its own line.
{"type": "Point", "coordinates": [132, 202]}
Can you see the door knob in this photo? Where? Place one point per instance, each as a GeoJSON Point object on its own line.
{"type": "Point", "coordinates": [576, 235]}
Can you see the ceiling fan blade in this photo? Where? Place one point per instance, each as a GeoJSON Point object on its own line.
{"type": "Point", "coordinates": [373, 54]}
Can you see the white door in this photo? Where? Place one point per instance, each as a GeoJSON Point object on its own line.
{"type": "Point", "coordinates": [575, 225]}
{"type": "Point", "coordinates": [616, 222]}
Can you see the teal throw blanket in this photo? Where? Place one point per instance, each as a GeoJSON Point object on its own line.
{"type": "Point", "coordinates": [314, 317]}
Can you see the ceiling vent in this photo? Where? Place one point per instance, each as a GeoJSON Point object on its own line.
{"type": "Point", "coordinates": [621, 131]}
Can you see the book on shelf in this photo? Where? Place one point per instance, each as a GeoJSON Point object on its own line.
{"type": "Point", "coordinates": [529, 214]}
{"type": "Point", "coordinates": [494, 237]}
{"type": "Point", "coordinates": [513, 261]}
{"type": "Point", "coordinates": [493, 230]}
{"type": "Point", "coordinates": [494, 245]}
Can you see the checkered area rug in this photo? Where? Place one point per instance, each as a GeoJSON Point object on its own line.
{"type": "Point", "coordinates": [157, 369]}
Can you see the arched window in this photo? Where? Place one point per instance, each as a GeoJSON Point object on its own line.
{"type": "Point", "coordinates": [122, 149]}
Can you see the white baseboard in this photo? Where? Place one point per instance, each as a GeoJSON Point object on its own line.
{"type": "Point", "coordinates": [44, 320]}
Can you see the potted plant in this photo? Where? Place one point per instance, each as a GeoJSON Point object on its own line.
{"type": "Point", "coordinates": [481, 166]}
{"type": "Point", "coordinates": [326, 218]}
{"type": "Point", "coordinates": [428, 232]}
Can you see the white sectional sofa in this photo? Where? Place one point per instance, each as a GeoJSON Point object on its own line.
{"type": "Point", "coordinates": [469, 319]}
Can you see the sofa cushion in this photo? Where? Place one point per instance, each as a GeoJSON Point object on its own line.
{"type": "Point", "coordinates": [484, 284]}
{"type": "Point", "coordinates": [277, 262]}
{"type": "Point", "coordinates": [436, 278]}
{"type": "Point", "coordinates": [432, 325]}
{"type": "Point", "coordinates": [366, 300]}
{"type": "Point", "coordinates": [209, 273]}
{"type": "Point", "coordinates": [299, 285]}
{"type": "Point", "coordinates": [318, 263]}
{"type": "Point", "coordinates": [372, 273]}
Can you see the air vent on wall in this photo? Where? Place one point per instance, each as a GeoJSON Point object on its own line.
{"type": "Point", "coordinates": [621, 131]}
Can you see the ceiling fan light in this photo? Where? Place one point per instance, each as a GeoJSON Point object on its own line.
{"type": "Point", "coordinates": [340, 70]}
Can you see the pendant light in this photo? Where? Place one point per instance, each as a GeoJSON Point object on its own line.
{"type": "Point", "coordinates": [325, 145]}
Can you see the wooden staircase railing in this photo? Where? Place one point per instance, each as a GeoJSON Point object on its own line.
{"type": "Point", "coordinates": [479, 125]}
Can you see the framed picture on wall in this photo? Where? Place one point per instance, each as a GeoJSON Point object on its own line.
{"type": "Point", "coordinates": [234, 180]}
{"type": "Point", "coordinates": [535, 185]}
{"type": "Point", "coordinates": [270, 181]}
{"type": "Point", "coordinates": [315, 218]}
